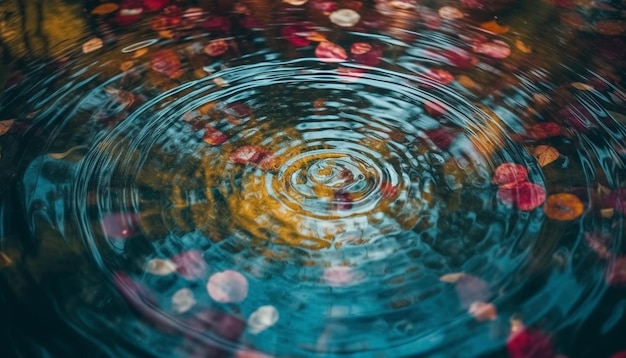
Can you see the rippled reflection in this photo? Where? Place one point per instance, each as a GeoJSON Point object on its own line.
{"type": "Point", "coordinates": [314, 178]}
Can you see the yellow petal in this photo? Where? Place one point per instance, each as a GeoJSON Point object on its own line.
{"type": "Point", "coordinates": [105, 9]}
{"type": "Point", "coordinates": [494, 27]}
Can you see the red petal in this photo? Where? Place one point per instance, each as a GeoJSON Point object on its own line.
{"type": "Point", "coordinates": [510, 173]}
{"type": "Point", "coordinates": [524, 196]}
{"type": "Point", "coordinates": [154, 5]}
{"type": "Point", "coordinates": [166, 61]}
{"type": "Point", "coordinates": [366, 53]}
{"type": "Point", "coordinates": [343, 200]}
{"type": "Point", "coordinates": [190, 264]}
{"type": "Point", "coordinates": [441, 137]}
{"type": "Point", "coordinates": [434, 109]}
{"type": "Point", "coordinates": [388, 190]}
{"type": "Point", "coordinates": [217, 23]}
{"type": "Point", "coordinates": [249, 154]}
{"type": "Point", "coordinates": [458, 58]}
{"type": "Point", "coordinates": [620, 354]}
{"type": "Point", "coordinates": [439, 75]}
{"type": "Point", "coordinates": [544, 130]}
{"type": "Point", "coordinates": [529, 343]}
{"type": "Point", "coordinates": [213, 136]}
{"type": "Point", "coordinates": [330, 52]}
{"type": "Point", "coordinates": [296, 35]}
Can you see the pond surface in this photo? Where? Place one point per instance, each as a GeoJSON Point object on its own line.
{"type": "Point", "coordinates": [313, 178]}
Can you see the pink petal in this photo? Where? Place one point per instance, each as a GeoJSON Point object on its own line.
{"type": "Point", "coordinates": [120, 226]}
{"type": "Point", "coordinates": [248, 154]}
{"type": "Point", "coordinates": [341, 276]}
{"type": "Point", "coordinates": [441, 137]}
{"type": "Point", "coordinates": [228, 286]}
{"type": "Point", "coordinates": [494, 49]}
{"type": "Point", "coordinates": [439, 75]}
{"type": "Point", "coordinates": [524, 196]}
{"type": "Point", "coordinates": [190, 264]}
{"type": "Point", "coordinates": [483, 311]}
{"type": "Point", "coordinates": [470, 289]}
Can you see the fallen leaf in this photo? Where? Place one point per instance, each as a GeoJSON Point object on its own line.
{"type": "Point", "coordinates": [520, 45]}
{"type": "Point", "coordinates": [545, 154]}
{"type": "Point", "coordinates": [5, 126]}
{"type": "Point", "coordinates": [493, 27]}
{"type": "Point", "coordinates": [563, 207]}
{"type": "Point", "coordinates": [228, 287]}
{"type": "Point", "coordinates": [582, 86]}
{"type": "Point", "coordinates": [126, 65]}
{"type": "Point", "coordinates": [451, 277]}
{"type": "Point", "coordinates": [543, 130]}
{"type": "Point", "coordinates": [105, 9]}
{"type": "Point", "coordinates": [92, 45]}
{"type": "Point", "coordinates": [5, 261]}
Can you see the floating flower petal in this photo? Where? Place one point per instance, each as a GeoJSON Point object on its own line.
{"type": "Point", "coordinates": [524, 196]}
{"type": "Point", "coordinates": [261, 319]}
{"type": "Point", "coordinates": [345, 17]}
{"type": "Point", "coordinates": [228, 286]}
{"type": "Point", "coordinates": [330, 52]}
{"type": "Point", "coordinates": [183, 300]}
{"type": "Point", "coordinates": [563, 207]}
{"type": "Point", "coordinates": [507, 173]}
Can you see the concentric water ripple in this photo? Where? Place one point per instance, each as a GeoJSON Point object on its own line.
{"type": "Point", "coordinates": [279, 199]}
